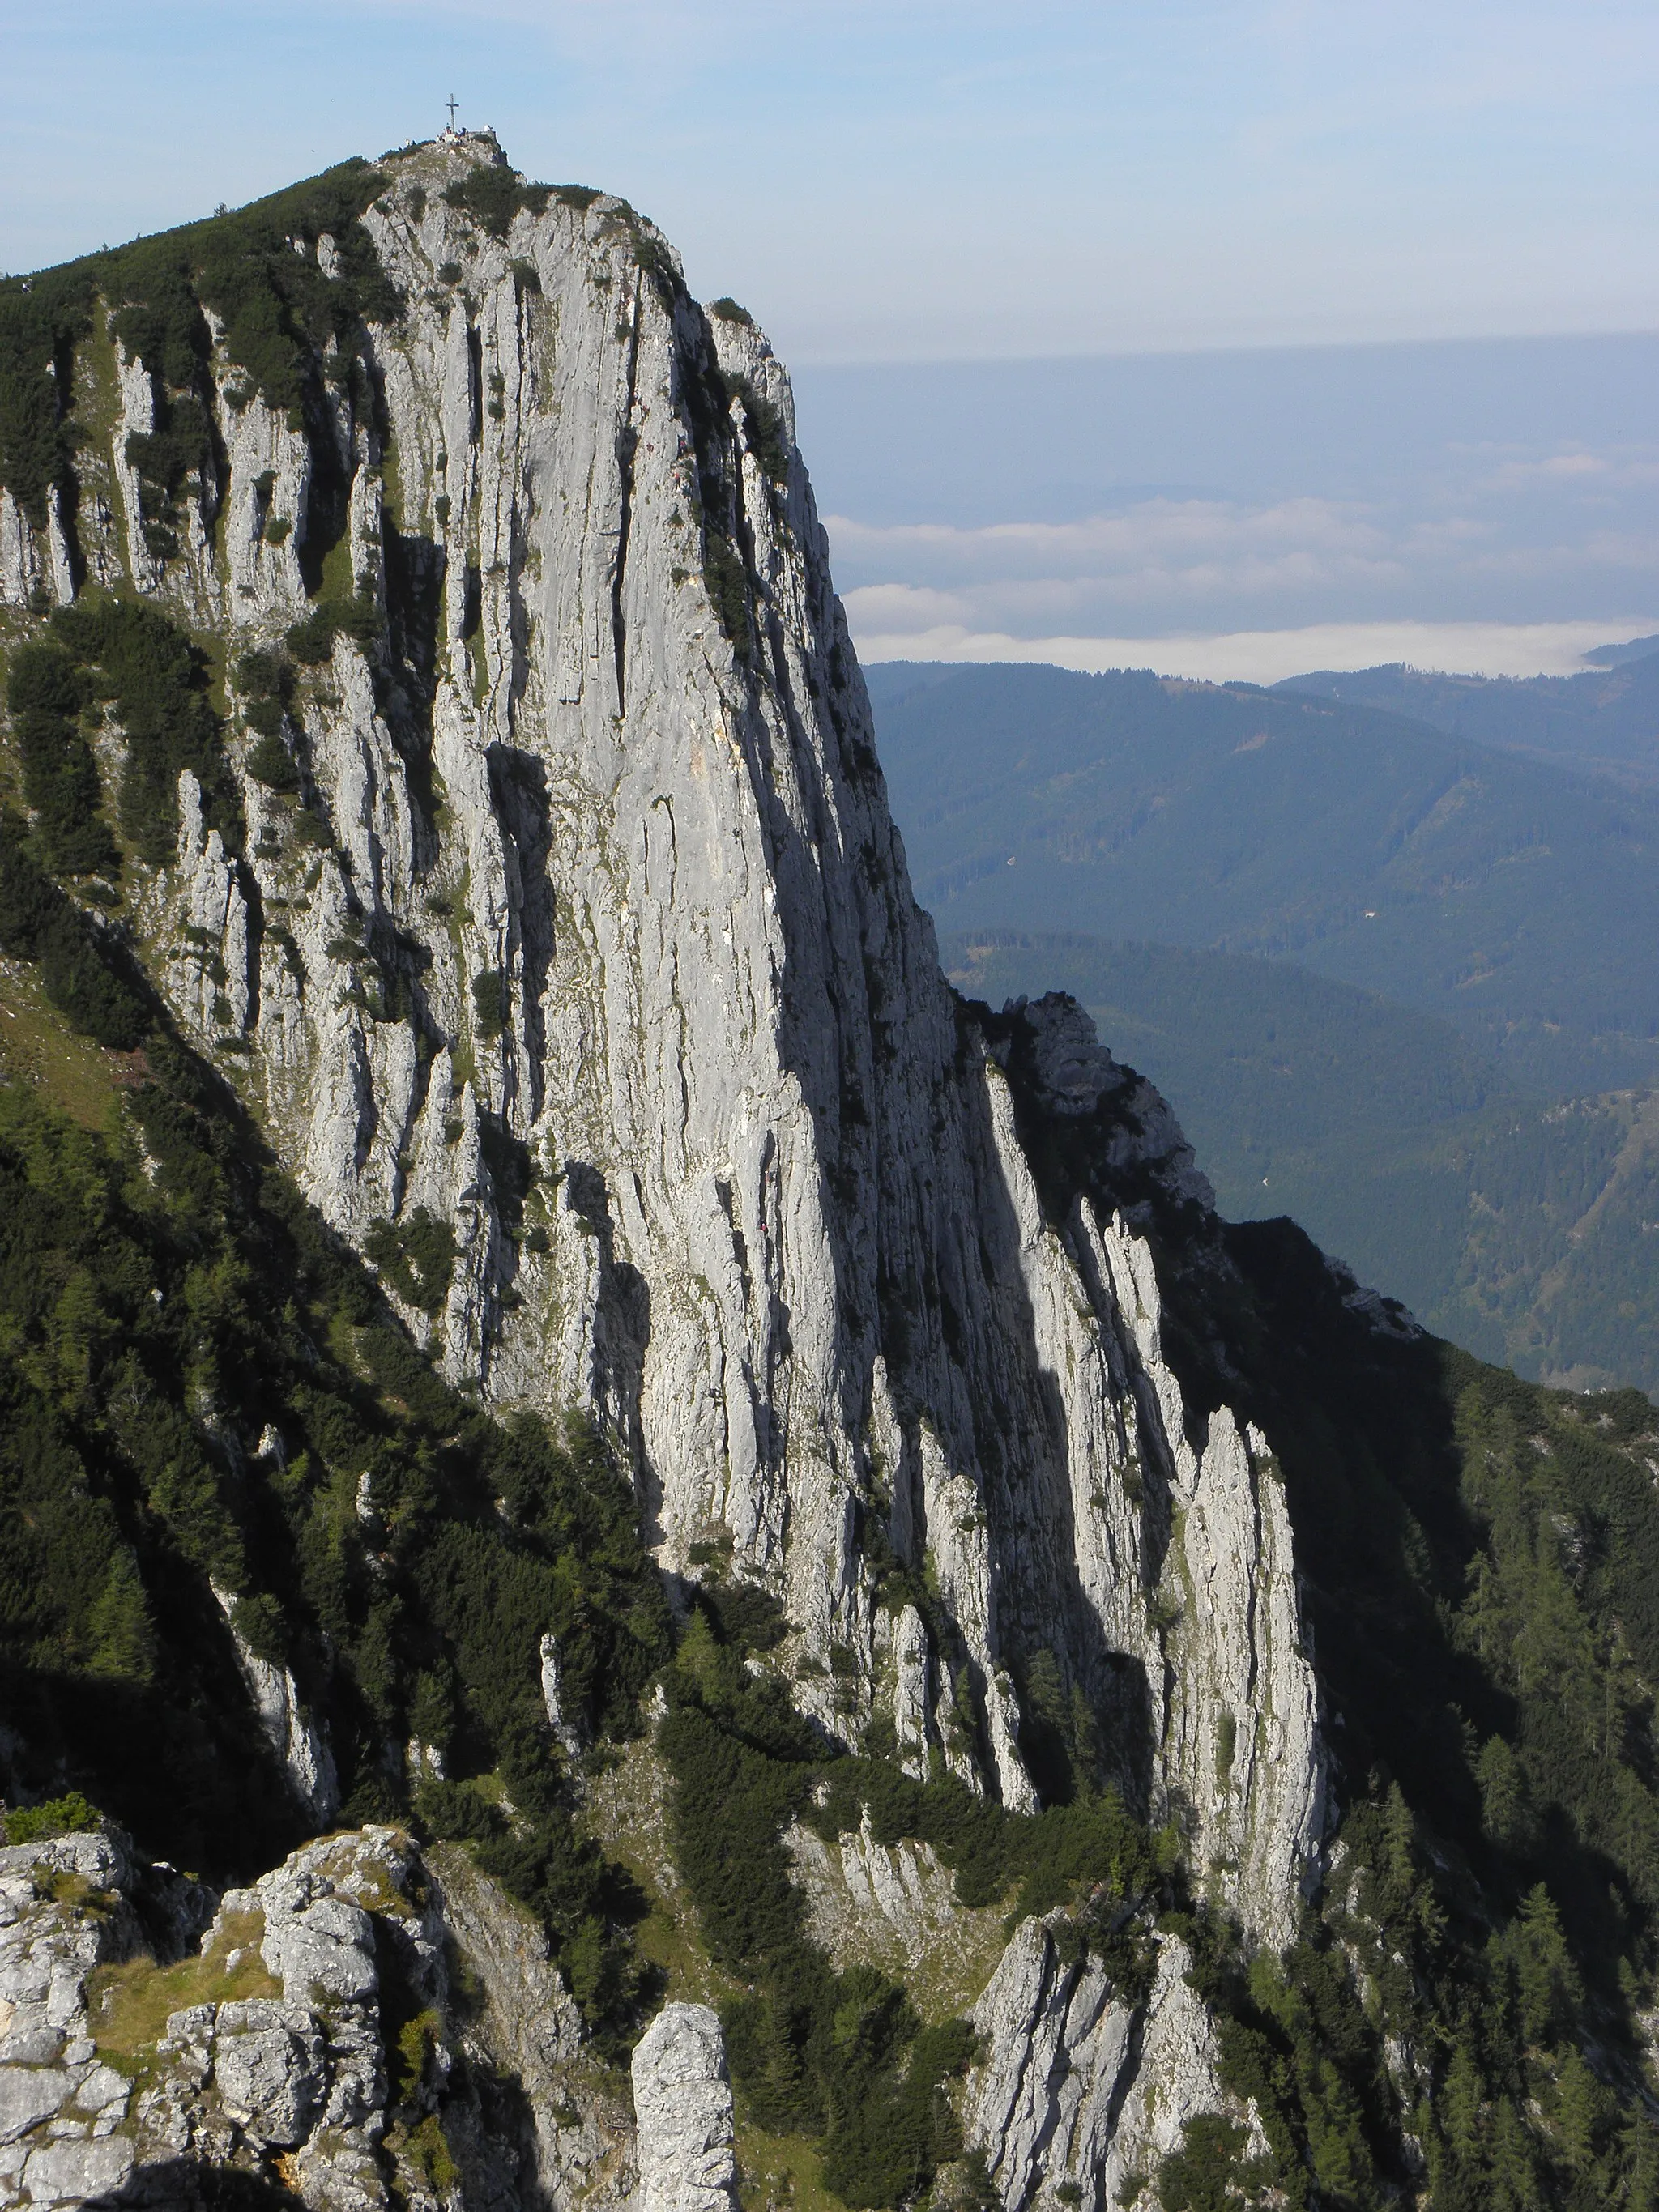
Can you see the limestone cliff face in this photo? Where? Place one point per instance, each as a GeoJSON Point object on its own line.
{"type": "Point", "coordinates": [598, 948]}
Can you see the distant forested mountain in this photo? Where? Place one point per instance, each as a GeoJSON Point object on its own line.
{"type": "Point", "coordinates": [1400, 986]}
{"type": "Point", "coordinates": [1515, 899]}
{"type": "Point", "coordinates": [1522, 1227]}
{"type": "Point", "coordinates": [1607, 718]}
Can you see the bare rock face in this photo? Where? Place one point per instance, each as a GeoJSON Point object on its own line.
{"type": "Point", "coordinates": [60, 2106]}
{"type": "Point", "coordinates": [682, 2110]}
{"type": "Point", "coordinates": [299, 1743]}
{"type": "Point", "coordinates": [588, 937]}
{"type": "Point", "coordinates": [895, 1906]}
{"type": "Point", "coordinates": [1081, 2089]}
{"type": "Point", "coordinates": [572, 2131]}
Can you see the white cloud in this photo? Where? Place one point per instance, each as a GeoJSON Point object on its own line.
{"type": "Point", "coordinates": [1264, 656]}
{"type": "Point", "coordinates": [1166, 533]}
{"type": "Point", "coordinates": [1594, 471]}
{"type": "Point", "coordinates": [1162, 562]}
{"type": "Point", "coordinates": [1207, 567]}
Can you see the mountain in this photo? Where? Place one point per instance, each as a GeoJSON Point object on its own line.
{"type": "Point", "coordinates": [1470, 883]}
{"type": "Point", "coordinates": [1605, 719]}
{"type": "Point", "coordinates": [1474, 892]}
{"type": "Point", "coordinates": [1614, 656]}
{"type": "Point", "coordinates": [1518, 1227]}
{"type": "Point", "coordinates": [583, 1431]}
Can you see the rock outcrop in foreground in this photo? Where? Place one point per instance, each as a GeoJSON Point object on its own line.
{"type": "Point", "coordinates": [371, 2029]}
{"type": "Point", "coordinates": [378, 2027]}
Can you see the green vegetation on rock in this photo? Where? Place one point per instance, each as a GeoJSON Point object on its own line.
{"type": "Point", "coordinates": [493, 194]}
{"type": "Point", "coordinates": [843, 2057]}
{"type": "Point", "coordinates": [201, 1392]}
{"type": "Point", "coordinates": [287, 325]}
{"type": "Point", "coordinates": [45, 696]}
{"type": "Point", "coordinates": [155, 682]}
{"type": "Point", "coordinates": [310, 640]}
{"type": "Point", "coordinates": [84, 969]}
{"type": "Point", "coordinates": [1481, 1574]}
{"type": "Point", "coordinates": [68, 1815]}
{"type": "Point", "coordinates": [767, 439]}
{"type": "Point", "coordinates": [417, 1257]}
{"type": "Point", "coordinates": [131, 657]}
{"type": "Point", "coordinates": [277, 306]}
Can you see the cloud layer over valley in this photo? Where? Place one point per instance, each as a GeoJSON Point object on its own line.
{"type": "Point", "coordinates": [1488, 506]}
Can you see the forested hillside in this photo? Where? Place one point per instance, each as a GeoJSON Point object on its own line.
{"type": "Point", "coordinates": [1606, 718]}
{"type": "Point", "coordinates": [1404, 990]}
{"type": "Point", "coordinates": [1519, 1227]}
{"type": "Point", "coordinates": [1515, 900]}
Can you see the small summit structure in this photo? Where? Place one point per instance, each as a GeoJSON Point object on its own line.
{"type": "Point", "coordinates": [453, 135]}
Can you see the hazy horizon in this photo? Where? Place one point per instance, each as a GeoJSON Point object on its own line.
{"type": "Point", "coordinates": [1214, 335]}
{"type": "Point", "coordinates": [1484, 505]}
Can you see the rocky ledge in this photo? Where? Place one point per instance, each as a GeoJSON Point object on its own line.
{"type": "Point", "coordinates": [367, 2026]}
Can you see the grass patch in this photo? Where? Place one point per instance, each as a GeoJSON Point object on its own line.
{"type": "Point", "coordinates": [781, 2171]}
{"type": "Point", "coordinates": [39, 1048]}
{"type": "Point", "coordinates": [128, 2006]}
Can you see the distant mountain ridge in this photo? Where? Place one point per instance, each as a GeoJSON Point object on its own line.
{"type": "Point", "coordinates": [1521, 1227]}
{"type": "Point", "coordinates": [1615, 656]}
{"type": "Point", "coordinates": [1469, 881]}
{"type": "Point", "coordinates": [1608, 718]}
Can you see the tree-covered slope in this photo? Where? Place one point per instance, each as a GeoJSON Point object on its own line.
{"type": "Point", "coordinates": [1604, 718]}
{"type": "Point", "coordinates": [1512, 899]}
{"type": "Point", "coordinates": [1516, 1226]}
{"type": "Point", "coordinates": [1480, 1559]}
{"type": "Point", "coordinates": [213, 1433]}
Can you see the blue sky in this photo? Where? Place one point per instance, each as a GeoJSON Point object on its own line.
{"type": "Point", "coordinates": [913, 182]}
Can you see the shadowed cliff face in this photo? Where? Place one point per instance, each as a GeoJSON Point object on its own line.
{"type": "Point", "coordinates": [577, 976]}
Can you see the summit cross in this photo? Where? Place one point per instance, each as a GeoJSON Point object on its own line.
{"type": "Point", "coordinates": [452, 103]}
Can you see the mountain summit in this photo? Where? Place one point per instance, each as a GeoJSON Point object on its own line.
{"type": "Point", "coordinates": [447, 781]}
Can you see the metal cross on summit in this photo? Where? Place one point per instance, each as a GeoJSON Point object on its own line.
{"type": "Point", "coordinates": [452, 103]}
